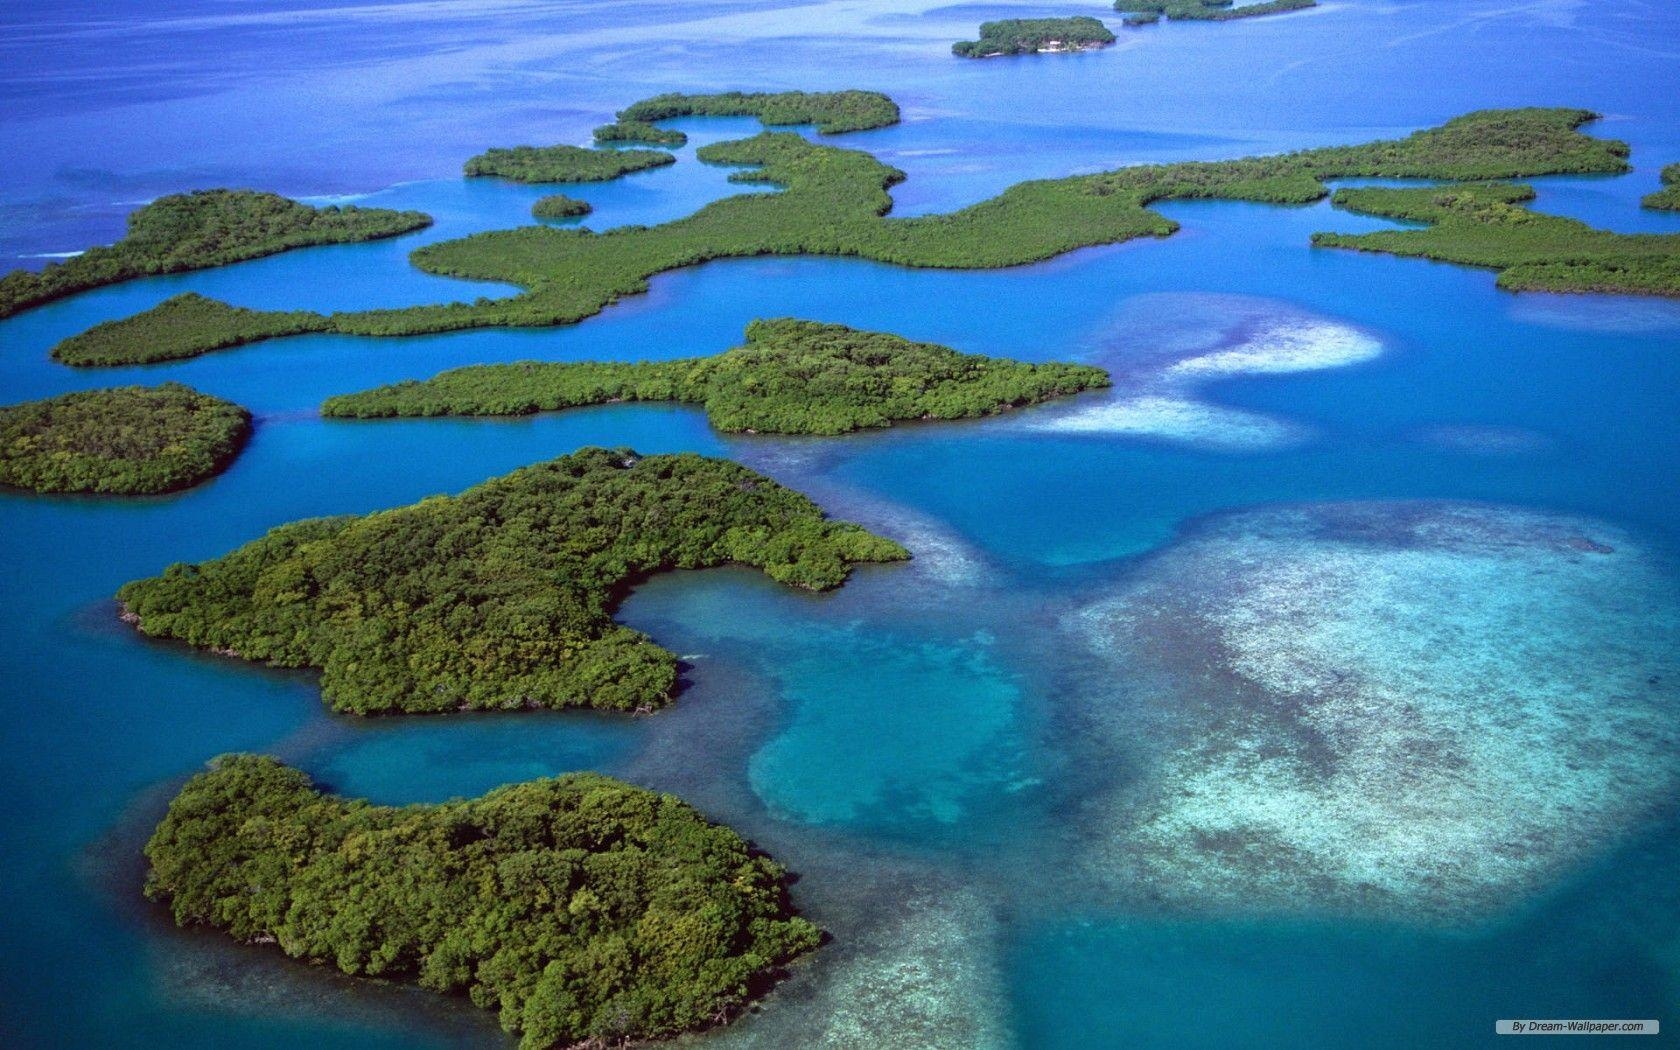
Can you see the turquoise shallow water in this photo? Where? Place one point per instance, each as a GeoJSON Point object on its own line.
{"type": "Point", "coordinates": [923, 745]}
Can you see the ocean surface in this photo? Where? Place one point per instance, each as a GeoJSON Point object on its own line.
{"type": "Point", "coordinates": [1318, 686]}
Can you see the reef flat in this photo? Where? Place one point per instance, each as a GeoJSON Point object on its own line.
{"type": "Point", "coordinates": [835, 202]}
{"type": "Point", "coordinates": [130, 440]}
{"type": "Point", "coordinates": [1487, 225]}
{"type": "Point", "coordinates": [791, 377]}
{"type": "Point", "coordinates": [1424, 711]}
{"type": "Point", "coordinates": [193, 231]}
{"type": "Point", "coordinates": [581, 908]}
{"type": "Point", "coordinates": [1027, 36]}
{"type": "Point", "coordinates": [538, 164]}
{"type": "Point", "coordinates": [501, 597]}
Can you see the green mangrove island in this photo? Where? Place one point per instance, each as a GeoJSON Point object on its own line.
{"type": "Point", "coordinates": [559, 206]}
{"type": "Point", "coordinates": [537, 164]}
{"type": "Point", "coordinates": [791, 377]}
{"type": "Point", "coordinates": [581, 909]}
{"type": "Point", "coordinates": [130, 440]}
{"type": "Point", "coordinates": [193, 231]}
{"type": "Point", "coordinates": [1145, 12]}
{"type": "Point", "coordinates": [1486, 224]}
{"type": "Point", "coordinates": [1026, 36]}
{"type": "Point", "coordinates": [835, 202]}
{"type": "Point", "coordinates": [639, 131]}
{"type": "Point", "coordinates": [1668, 197]}
{"type": "Point", "coordinates": [832, 112]}
{"type": "Point", "coordinates": [501, 597]}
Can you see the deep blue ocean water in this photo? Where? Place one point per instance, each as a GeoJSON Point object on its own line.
{"type": "Point", "coordinates": [920, 727]}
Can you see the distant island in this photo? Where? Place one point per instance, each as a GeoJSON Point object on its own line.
{"type": "Point", "coordinates": [639, 131]}
{"type": "Point", "coordinates": [1669, 196]}
{"type": "Point", "coordinates": [564, 163]}
{"type": "Point", "coordinates": [585, 910]}
{"type": "Point", "coordinates": [501, 597]}
{"type": "Point", "coordinates": [192, 231]}
{"type": "Point", "coordinates": [832, 112]}
{"type": "Point", "coordinates": [1485, 224]}
{"type": "Point", "coordinates": [1026, 36]}
{"type": "Point", "coordinates": [559, 206]}
{"type": "Point", "coordinates": [835, 202]}
{"type": "Point", "coordinates": [1145, 12]}
{"type": "Point", "coordinates": [791, 377]}
{"type": "Point", "coordinates": [130, 440]}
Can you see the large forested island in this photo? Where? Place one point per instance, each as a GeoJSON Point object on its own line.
{"type": "Point", "coordinates": [130, 440]}
{"type": "Point", "coordinates": [832, 112]}
{"type": "Point", "coordinates": [835, 202]}
{"type": "Point", "coordinates": [191, 231]}
{"type": "Point", "coordinates": [1026, 36]}
{"type": "Point", "coordinates": [501, 597]}
{"type": "Point", "coordinates": [791, 377]}
{"type": "Point", "coordinates": [580, 908]}
{"type": "Point", "coordinates": [1143, 12]}
{"type": "Point", "coordinates": [1486, 224]}
{"type": "Point", "coordinates": [539, 164]}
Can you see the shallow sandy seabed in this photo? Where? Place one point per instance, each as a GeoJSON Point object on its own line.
{"type": "Point", "coordinates": [1428, 711]}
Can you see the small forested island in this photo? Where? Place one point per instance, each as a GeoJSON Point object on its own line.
{"type": "Point", "coordinates": [1144, 12]}
{"type": "Point", "coordinates": [582, 909]}
{"type": "Point", "coordinates": [1668, 197]}
{"type": "Point", "coordinates": [559, 206]}
{"type": "Point", "coordinates": [791, 377]}
{"type": "Point", "coordinates": [1026, 36]}
{"type": "Point", "coordinates": [832, 112]}
{"type": "Point", "coordinates": [835, 202]}
{"type": "Point", "coordinates": [192, 231]}
{"type": "Point", "coordinates": [1486, 224]}
{"type": "Point", "coordinates": [130, 440]}
{"type": "Point", "coordinates": [538, 164]}
{"type": "Point", "coordinates": [184, 325]}
{"type": "Point", "coordinates": [501, 597]}
{"type": "Point", "coordinates": [639, 131]}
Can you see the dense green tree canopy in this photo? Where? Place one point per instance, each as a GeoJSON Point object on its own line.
{"type": "Point", "coordinates": [791, 377]}
{"type": "Point", "coordinates": [578, 907]}
{"type": "Point", "coordinates": [501, 597]}
{"type": "Point", "coordinates": [1486, 224]}
{"type": "Point", "coordinates": [835, 202]}
{"type": "Point", "coordinates": [1669, 196]}
{"type": "Point", "coordinates": [1146, 11]}
{"type": "Point", "coordinates": [129, 440]}
{"type": "Point", "coordinates": [191, 231]}
{"type": "Point", "coordinates": [639, 131]}
{"type": "Point", "coordinates": [185, 325]}
{"type": "Point", "coordinates": [564, 163]}
{"type": "Point", "coordinates": [1025, 36]}
{"type": "Point", "coordinates": [559, 206]}
{"type": "Point", "coordinates": [833, 112]}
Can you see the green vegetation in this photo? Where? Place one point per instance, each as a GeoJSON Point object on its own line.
{"type": "Point", "coordinates": [791, 377]}
{"type": "Point", "coordinates": [130, 440]}
{"type": "Point", "coordinates": [1486, 224]}
{"type": "Point", "coordinates": [1669, 196]}
{"type": "Point", "coordinates": [559, 206]}
{"type": "Point", "coordinates": [192, 231]}
{"type": "Point", "coordinates": [500, 597]}
{"type": "Point", "coordinates": [835, 202]}
{"type": "Point", "coordinates": [564, 163]}
{"type": "Point", "coordinates": [183, 326]}
{"type": "Point", "coordinates": [832, 112]}
{"type": "Point", "coordinates": [639, 131]}
{"type": "Point", "coordinates": [1144, 12]}
{"type": "Point", "coordinates": [1025, 36]}
{"type": "Point", "coordinates": [579, 907]}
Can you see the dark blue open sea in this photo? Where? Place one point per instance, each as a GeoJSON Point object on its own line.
{"type": "Point", "coordinates": [1318, 686]}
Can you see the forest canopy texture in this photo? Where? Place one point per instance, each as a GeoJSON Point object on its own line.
{"type": "Point", "coordinates": [791, 377]}
{"type": "Point", "coordinates": [501, 597]}
{"type": "Point", "coordinates": [130, 440]}
{"type": "Point", "coordinates": [579, 908]}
